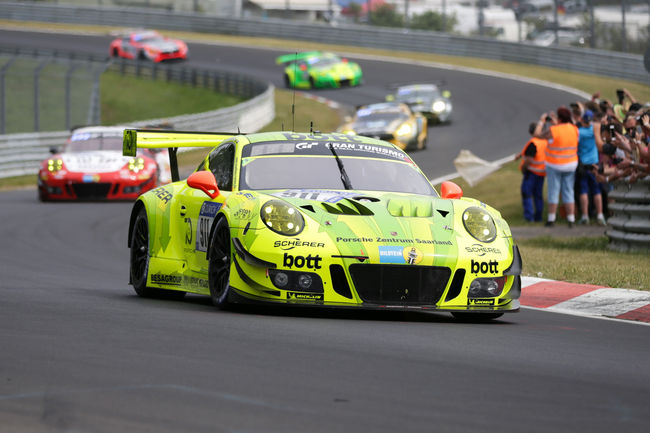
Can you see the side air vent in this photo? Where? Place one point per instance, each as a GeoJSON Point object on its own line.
{"type": "Point", "coordinates": [308, 207]}
{"type": "Point", "coordinates": [339, 281]}
{"type": "Point", "coordinates": [456, 285]}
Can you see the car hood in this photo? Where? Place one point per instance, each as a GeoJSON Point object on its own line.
{"type": "Point", "coordinates": [101, 161]}
{"type": "Point", "coordinates": [384, 227]}
{"type": "Point", "coordinates": [377, 126]}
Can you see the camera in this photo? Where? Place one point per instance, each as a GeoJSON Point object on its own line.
{"type": "Point", "coordinates": [548, 119]}
{"type": "Point", "coordinates": [620, 95]}
{"type": "Point", "coordinates": [616, 160]}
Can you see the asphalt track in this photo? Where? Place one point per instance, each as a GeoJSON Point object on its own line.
{"type": "Point", "coordinates": [79, 352]}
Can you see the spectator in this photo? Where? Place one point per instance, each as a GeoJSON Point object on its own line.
{"type": "Point", "coordinates": [533, 168]}
{"type": "Point", "coordinates": [588, 160]}
{"type": "Point", "coordinates": [561, 163]}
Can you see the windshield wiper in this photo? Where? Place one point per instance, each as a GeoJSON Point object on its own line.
{"type": "Point", "coordinates": [344, 176]}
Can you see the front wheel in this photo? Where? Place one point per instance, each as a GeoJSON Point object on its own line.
{"type": "Point", "coordinates": [140, 261]}
{"type": "Point", "coordinates": [219, 264]}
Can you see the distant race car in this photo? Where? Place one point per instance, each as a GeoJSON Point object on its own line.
{"type": "Point", "coordinates": [427, 99]}
{"type": "Point", "coordinates": [91, 167]}
{"type": "Point", "coordinates": [315, 69]}
{"type": "Point", "coordinates": [148, 45]}
{"type": "Point", "coordinates": [390, 121]}
{"type": "Point", "coordinates": [317, 219]}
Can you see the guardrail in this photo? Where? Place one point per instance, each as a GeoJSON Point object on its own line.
{"type": "Point", "coordinates": [599, 62]}
{"type": "Point", "coordinates": [20, 154]}
{"type": "Point", "coordinates": [630, 224]}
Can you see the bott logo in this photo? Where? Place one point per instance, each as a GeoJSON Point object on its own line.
{"type": "Point", "coordinates": [311, 262]}
{"type": "Point", "coordinates": [484, 267]}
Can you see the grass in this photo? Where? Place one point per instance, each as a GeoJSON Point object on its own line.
{"type": "Point", "coordinates": [142, 98]}
{"type": "Point", "coordinates": [583, 260]}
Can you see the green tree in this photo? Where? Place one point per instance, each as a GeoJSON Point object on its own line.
{"type": "Point", "coordinates": [354, 10]}
{"type": "Point", "coordinates": [431, 20]}
{"type": "Point", "coordinates": [386, 16]}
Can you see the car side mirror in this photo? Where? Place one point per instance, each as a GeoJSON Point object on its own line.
{"type": "Point", "coordinates": [450, 190]}
{"type": "Point", "coordinates": [54, 150]}
{"type": "Point", "coordinates": [446, 94]}
{"type": "Point", "coordinates": [204, 181]}
{"type": "Point", "coordinates": [390, 98]}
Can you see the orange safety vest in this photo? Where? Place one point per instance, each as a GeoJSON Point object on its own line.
{"type": "Point", "coordinates": [564, 147]}
{"type": "Point", "coordinates": [539, 165]}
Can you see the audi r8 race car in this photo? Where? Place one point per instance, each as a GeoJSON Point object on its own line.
{"type": "Point", "coordinates": [314, 69]}
{"type": "Point", "coordinates": [317, 219]}
{"type": "Point", "coordinates": [148, 45]}
{"type": "Point", "coordinates": [427, 99]}
{"type": "Point", "coordinates": [390, 121]}
{"type": "Point", "coordinates": [91, 167]}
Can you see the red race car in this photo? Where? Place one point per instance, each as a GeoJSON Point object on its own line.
{"type": "Point", "coordinates": [149, 45]}
{"type": "Point", "coordinates": [91, 167]}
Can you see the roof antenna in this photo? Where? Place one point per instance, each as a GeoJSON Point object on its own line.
{"type": "Point", "coordinates": [293, 102]}
{"type": "Point", "coordinates": [282, 124]}
{"type": "Point", "coordinates": [238, 131]}
{"type": "Point", "coordinates": [311, 127]}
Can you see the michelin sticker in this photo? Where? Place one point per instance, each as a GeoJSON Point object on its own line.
{"type": "Point", "coordinates": [206, 216]}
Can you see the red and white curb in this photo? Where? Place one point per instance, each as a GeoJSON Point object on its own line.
{"type": "Point", "coordinates": [585, 300]}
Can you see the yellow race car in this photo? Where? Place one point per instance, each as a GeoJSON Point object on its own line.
{"type": "Point", "coordinates": [390, 121]}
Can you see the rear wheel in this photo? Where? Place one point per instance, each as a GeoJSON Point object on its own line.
{"type": "Point", "coordinates": [312, 83]}
{"type": "Point", "coordinates": [287, 81]}
{"type": "Point", "coordinates": [476, 317]}
{"type": "Point", "coordinates": [140, 261]}
{"type": "Point", "coordinates": [219, 264]}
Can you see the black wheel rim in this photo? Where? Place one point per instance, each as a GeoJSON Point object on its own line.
{"type": "Point", "coordinates": [219, 270]}
{"type": "Point", "coordinates": [139, 249]}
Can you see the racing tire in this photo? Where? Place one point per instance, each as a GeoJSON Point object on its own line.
{"type": "Point", "coordinates": [476, 317]}
{"type": "Point", "coordinates": [115, 52]}
{"type": "Point", "coordinates": [142, 55]}
{"type": "Point", "coordinates": [312, 83]}
{"type": "Point", "coordinates": [139, 262]}
{"type": "Point", "coordinates": [287, 82]}
{"type": "Point", "coordinates": [219, 262]}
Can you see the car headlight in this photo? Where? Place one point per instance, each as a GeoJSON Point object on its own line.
{"type": "Point", "coordinates": [349, 132]}
{"type": "Point", "coordinates": [405, 130]}
{"type": "Point", "coordinates": [439, 106]}
{"type": "Point", "coordinates": [136, 164]}
{"type": "Point", "coordinates": [54, 165]}
{"type": "Point", "coordinates": [479, 224]}
{"type": "Point", "coordinates": [282, 218]}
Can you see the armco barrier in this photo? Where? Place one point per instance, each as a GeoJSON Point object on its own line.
{"type": "Point", "coordinates": [630, 225]}
{"type": "Point", "coordinates": [599, 62]}
{"type": "Point", "coordinates": [20, 154]}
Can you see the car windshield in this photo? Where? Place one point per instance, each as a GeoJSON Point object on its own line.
{"type": "Point", "coordinates": [414, 94]}
{"type": "Point", "coordinates": [323, 62]}
{"type": "Point", "coordinates": [90, 142]}
{"type": "Point", "coordinates": [322, 172]}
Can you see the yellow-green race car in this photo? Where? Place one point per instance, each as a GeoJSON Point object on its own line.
{"type": "Point", "coordinates": [317, 219]}
{"type": "Point", "coordinates": [315, 69]}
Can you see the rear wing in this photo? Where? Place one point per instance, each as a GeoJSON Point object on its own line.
{"type": "Point", "coordinates": [171, 140]}
{"type": "Point", "coordinates": [287, 58]}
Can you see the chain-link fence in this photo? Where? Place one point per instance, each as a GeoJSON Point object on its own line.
{"type": "Point", "coordinates": [48, 93]}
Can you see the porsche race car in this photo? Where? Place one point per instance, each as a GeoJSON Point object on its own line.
{"type": "Point", "coordinates": [313, 219]}
{"type": "Point", "coordinates": [315, 69]}
{"type": "Point", "coordinates": [91, 167]}
{"type": "Point", "coordinates": [391, 121]}
{"type": "Point", "coordinates": [148, 45]}
{"type": "Point", "coordinates": [427, 99]}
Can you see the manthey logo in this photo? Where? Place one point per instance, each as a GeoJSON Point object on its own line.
{"type": "Point", "coordinates": [396, 254]}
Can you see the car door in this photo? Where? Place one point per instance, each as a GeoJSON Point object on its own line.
{"type": "Point", "coordinates": [197, 211]}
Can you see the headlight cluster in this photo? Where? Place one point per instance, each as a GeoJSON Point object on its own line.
{"type": "Point", "coordinates": [405, 130]}
{"type": "Point", "coordinates": [439, 106]}
{"type": "Point", "coordinates": [282, 218]}
{"type": "Point", "coordinates": [136, 165]}
{"type": "Point", "coordinates": [54, 165]}
{"type": "Point", "coordinates": [479, 224]}
{"type": "Point", "coordinates": [486, 287]}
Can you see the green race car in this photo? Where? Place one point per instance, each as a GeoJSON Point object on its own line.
{"type": "Point", "coordinates": [314, 69]}
{"type": "Point", "coordinates": [317, 219]}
